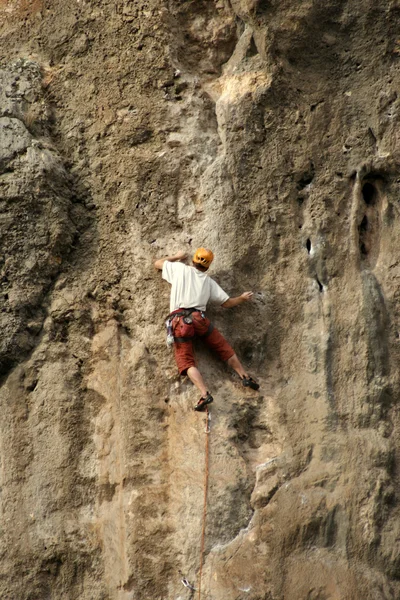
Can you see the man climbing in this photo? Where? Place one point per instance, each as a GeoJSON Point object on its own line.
{"type": "Point", "coordinates": [191, 290]}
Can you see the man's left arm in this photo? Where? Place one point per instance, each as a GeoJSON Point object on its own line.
{"type": "Point", "coordinates": [231, 302]}
{"type": "Point", "coordinates": [160, 261]}
{"type": "Point", "coordinates": [220, 296]}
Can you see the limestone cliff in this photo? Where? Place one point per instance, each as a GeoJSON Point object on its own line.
{"type": "Point", "coordinates": [267, 130]}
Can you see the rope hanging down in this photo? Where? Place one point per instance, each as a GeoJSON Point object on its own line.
{"type": "Point", "coordinates": [206, 463]}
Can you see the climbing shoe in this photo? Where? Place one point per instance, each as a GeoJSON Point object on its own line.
{"type": "Point", "coordinates": [202, 403]}
{"type": "Point", "coordinates": [250, 382]}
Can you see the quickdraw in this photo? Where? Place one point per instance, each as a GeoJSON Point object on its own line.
{"type": "Point", "coordinates": [187, 584]}
{"type": "Point", "coordinates": [208, 422]}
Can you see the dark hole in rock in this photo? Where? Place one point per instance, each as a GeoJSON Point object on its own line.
{"type": "Point", "coordinates": [308, 245]}
{"type": "Point", "coordinates": [32, 386]}
{"type": "Point", "coordinates": [369, 194]}
{"type": "Point", "coordinates": [306, 178]}
{"type": "Point", "coordinates": [371, 133]}
{"type": "Point", "coordinates": [263, 6]}
{"type": "Point", "coordinates": [253, 48]}
{"type": "Point", "coordinates": [6, 364]}
{"type": "Point", "coordinates": [364, 224]}
{"type": "Point", "coordinates": [181, 87]}
{"type": "Point", "coordinates": [247, 353]}
{"type": "Point", "coordinates": [321, 287]}
{"type": "Point", "coordinates": [389, 215]}
{"type": "Point", "coordinates": [363, 249]}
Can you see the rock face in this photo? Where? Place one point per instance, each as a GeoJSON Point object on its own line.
{"type": "Point", "coordinates": [36, 225]}
{"type": "Point", "coordinates": [269, 132]}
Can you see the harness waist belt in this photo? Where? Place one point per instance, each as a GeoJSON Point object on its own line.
{"type": "Point", "coordinates": [183, 312]}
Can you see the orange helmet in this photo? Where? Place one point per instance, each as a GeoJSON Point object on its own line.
{"type": "Point", "coordinates": [203, 257]}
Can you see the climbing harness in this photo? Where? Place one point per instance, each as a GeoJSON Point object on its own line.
{"type": "Point", "coordinates": [186, 313]}
{"type": "Point", "coordinates": [206, 465]}
{"type": "Point", "coordinates": [182, 312]}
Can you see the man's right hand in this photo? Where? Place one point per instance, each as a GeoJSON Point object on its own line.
{"type": "Point", "coordinates": [178, 256]}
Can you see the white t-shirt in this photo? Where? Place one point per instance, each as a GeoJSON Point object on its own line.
{"type": "Point", "coordinates": [191, 288]}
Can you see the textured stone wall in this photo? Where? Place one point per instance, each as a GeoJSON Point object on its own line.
{"type": "Point", "coordinates": [268, 131]}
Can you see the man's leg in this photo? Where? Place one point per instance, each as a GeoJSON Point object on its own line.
{"type": "Point", "coordinates": [186, 365]}
{"type": "Point", "coordinates": [196, 377]}
{"type": "Point", "coordinates": [235, 363]}
{"type": "Point", "coordinates": [218, 343]}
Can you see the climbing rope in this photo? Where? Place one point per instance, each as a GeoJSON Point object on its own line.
{"type": "Point", "coordinates": [203, 529]}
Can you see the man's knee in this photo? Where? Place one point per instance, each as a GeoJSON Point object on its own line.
{"type": "Point", "coordinates": [184, 370]}
{"type": "Point", "coordinates": [218, 344]}
{"type": "Point", "coordinates": [184, 356]}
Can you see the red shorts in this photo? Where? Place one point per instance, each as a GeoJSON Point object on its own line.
{"type": "Point", "coordinates": [200, 327]}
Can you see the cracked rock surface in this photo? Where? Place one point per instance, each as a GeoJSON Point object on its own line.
{"type": "Point", "coordinates": [267, 131]}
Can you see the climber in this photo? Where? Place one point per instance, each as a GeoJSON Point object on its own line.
{"type": "Point", "coordinates": [191, 289]}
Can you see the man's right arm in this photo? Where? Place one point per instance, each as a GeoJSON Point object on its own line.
{"type": "Point", "coordinates": [231, 302]}
{"type": "Point", "coordinates": [160, 261]}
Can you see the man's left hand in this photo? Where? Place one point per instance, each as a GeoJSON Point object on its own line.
{"type": "Point", "coordinates": [246, 296]}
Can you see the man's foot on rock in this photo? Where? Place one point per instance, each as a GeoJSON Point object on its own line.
{"type": "Point", "coordinates": [202, 403]}
{"type": "Point", "coordinates": [250, 382]}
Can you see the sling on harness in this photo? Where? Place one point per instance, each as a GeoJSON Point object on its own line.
{"type": "Point", "coordinates": [185, 312]}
